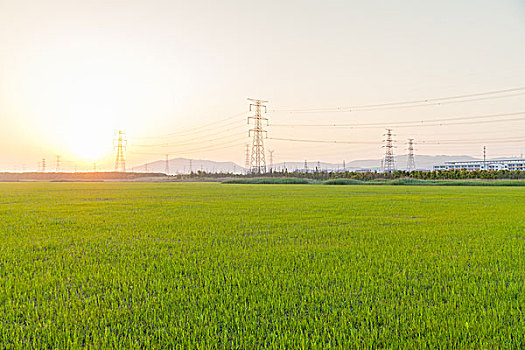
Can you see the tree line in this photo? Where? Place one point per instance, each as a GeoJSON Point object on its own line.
{"type": "Point", "coordinates": [374, 175]}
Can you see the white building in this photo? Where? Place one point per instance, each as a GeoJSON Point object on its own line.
{"type": "Point", "coordinates": [500, 164]}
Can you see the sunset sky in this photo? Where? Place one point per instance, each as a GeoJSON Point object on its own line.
{"type": "Point", "coordinates": [175, 75]}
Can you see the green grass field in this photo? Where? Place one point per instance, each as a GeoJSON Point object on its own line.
{"type": "Point", "coordinates": [115, 265]}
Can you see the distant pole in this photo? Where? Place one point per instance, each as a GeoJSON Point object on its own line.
{"type": "Point", "coordinates": [411, 163]}
{"type": "Point", "coordinates": [344, 165]}
{"type": "Point", "coordinates": [484, 157]}
{"type": "Point", "coordinates": [305, 166]}
{"type": "Point", "coordinates": [167, 168]}
{"type": "Point", "coordinates": [271, 160]}
{"type": "Point", "coordinates": [58, 164]}
{"type": "Point", "coordinates": [43, 165]}
{"type": "Point", "coordinates": [258, 161]}
{"type": "Point", "coordinates": [120, 161]}
{"type": "Point", "coordinates": [191, 167]}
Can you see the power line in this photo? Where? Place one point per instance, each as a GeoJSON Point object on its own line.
{"type": "Point", "coordinates": [229, 144]}
{"type": "Point", "coordinates": [323, 141]}
{"type": "Point", "coordinates": [404, 104]}
{"type": "Point", "coordinates": [458, 141]}
{"type": "Point", "coordinates": [193, 137]}
{"type": "Point", "coordinates": [195, 141]}
{"type": "Point", "coordinates": [474, 141]}
{"type": "Point", "coordinates": [341, 110]}
{"type": "Point", "coordinates": [411, 123]}
{"type": "Point", "coordinates": [208, 126]}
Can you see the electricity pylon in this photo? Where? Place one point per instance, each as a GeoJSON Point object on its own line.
{"type": "Point", "coordinates": [271, 160]}
{"type": "Point", "coordinates": [58, 164]}
{"type": "Point", "coordinates": [120, 160]}
{"type": "Point", "coordinates": [167, 168]}
{"type": "Point", "coordinates": [389, 164]}
{"type": "Point", "coordinates": [247, 162]}
{"type": "Point", "coordinates": [411, 162]}
{"type": "Point", "coordinates": [258, 161]}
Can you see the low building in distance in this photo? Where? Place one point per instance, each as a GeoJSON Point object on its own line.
{"type": "Point", "coordinates": [479, 165]}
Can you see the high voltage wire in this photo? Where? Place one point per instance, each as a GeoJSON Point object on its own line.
{"type": "Point", "coordinates": [211, 128]}
{"type": "Point", "coordinates": [355, 109]}
{"type": "Point", "coordinates": [428, 122]}
{"type": "Point", "coordinates": [197, 149]}
{"type": "Point", "coordinates": [206, 131]}
{"type": "Point", "coordinates": [398, 124]}
{"type": "Point", "coordinates": [324, 141]}
{"type": "Point", "coordinates": [206, 126]}
{"type": "Point", "coordinates": [196, 135]}
{"type": "Point", "coordinates": [190, 152]}
{"type": "Point", "coordinates": [466, 142]}
{"type": "Point", "coordinates": [430, 142]}
{"type": "Point", "coordinates": [199, 141]}
{"type": "Point", "coordinates": [403, 104]}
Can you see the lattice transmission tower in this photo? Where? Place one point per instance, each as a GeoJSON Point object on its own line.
{"type": "Point", "coordinates": [120, 160]}
{"type": "Point", "coordinates": [58, 164]}
{"type": "Point", "coordinates": [257, 161]}
{"type": "Point", "coordinates": [271, 160]}
{"type": "Point", "coordinates": [167, 165]}
{"type": "Point", "coordinates": [247, 162]}
{"type": "Point", "coordinates": [411, 161]}
{"type": "Point", "coordinates": [389, 164]}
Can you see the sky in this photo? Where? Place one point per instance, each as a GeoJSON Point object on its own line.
{"type": "Point", "coordinates": [175, 77]}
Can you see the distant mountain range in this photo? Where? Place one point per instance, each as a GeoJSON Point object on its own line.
{"type": "Point", "coordinates": [422, 162]}
{"type": "Point", "coordinates": [185, 166]}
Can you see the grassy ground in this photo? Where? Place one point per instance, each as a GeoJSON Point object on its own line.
{"type": "Point", "coordinates": [247, 266]}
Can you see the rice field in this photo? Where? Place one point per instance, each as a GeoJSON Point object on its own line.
{"type": "Point", "coordinates": [208, 265]}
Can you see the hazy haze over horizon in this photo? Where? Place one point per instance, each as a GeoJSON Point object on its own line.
{"type": "Point", "coordinates": [73, 72]}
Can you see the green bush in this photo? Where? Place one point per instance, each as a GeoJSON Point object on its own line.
{"type": "Point", "coordinates": [344, 182]}
{"type": "Point", "coordinates": [270, 181]}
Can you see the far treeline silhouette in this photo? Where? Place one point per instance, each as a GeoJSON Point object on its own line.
{"type": "Point", "coordinates": [313, 175]}
{"type": "Point", "coordinates": [373, 175]}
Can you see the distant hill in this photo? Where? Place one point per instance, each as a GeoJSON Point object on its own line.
{"type": "Point", "coordinates": [422, 162]}
{"type": "Point", "coordinates": [185, 166]}
{"type": "Point", "coordinates": [182, 165]}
